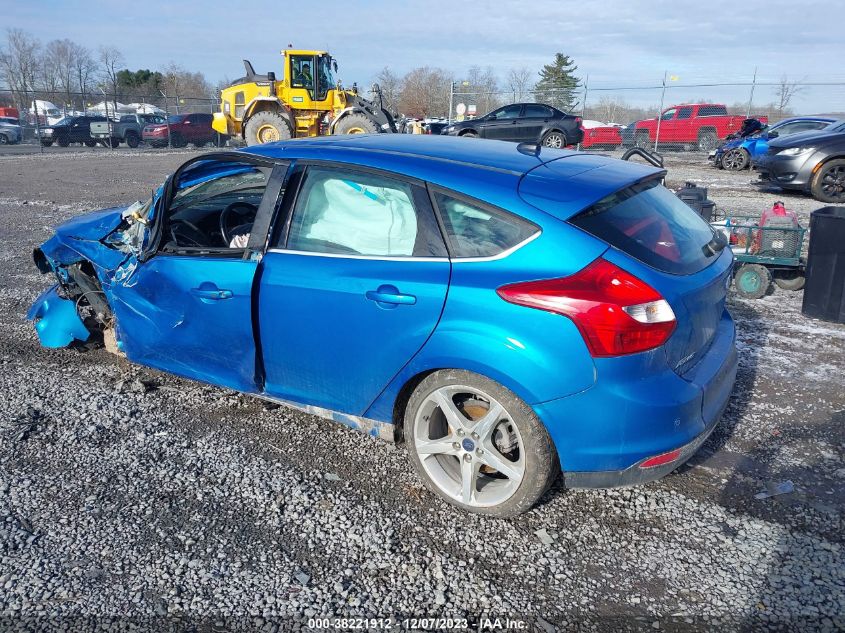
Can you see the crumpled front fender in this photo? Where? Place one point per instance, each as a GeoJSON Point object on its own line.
{"type": "Point", "coordinates": [56, 321]}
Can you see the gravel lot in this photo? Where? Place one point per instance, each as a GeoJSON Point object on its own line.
{"type": "Point", "coordinates": [128, 493]}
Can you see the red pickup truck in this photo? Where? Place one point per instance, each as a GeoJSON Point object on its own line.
{"type": "Point", "coordinates": [700, 124]}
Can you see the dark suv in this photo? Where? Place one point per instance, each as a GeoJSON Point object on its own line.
{"type": "Point", "coordinates": [523, 122]}
{"type": "Point", "coordinates": [71, 129]}
{"type": "Point", "coordinates": [192, 128]}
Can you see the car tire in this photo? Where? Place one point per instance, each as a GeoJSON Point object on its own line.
{"type": "Point", "coordinates": [178, 141]}
{"type": "Point", "coordinates": [114, 142]}
{"type": "Point", "coordinates": [267, 127]}
{"type": "Point", "coordinates": [47, 143]}
{"type": "Point", "coordinates": [514, 440]}
{"type": "Point", "coordinates": [63, 141]}
{"type": "Point", "coordinates": [469, 134]}
{"type": "Point", "coordinates": [828, 183]}
{"type": "Point", "coordinates": [736, 159]}
{"type": "Point", "coordinates": [554, 140]}
{"type": "Point", "coordinates": [642, 140]}
{"type": "Point", "coordinates": [92, 143]}
{"type": "Point", "coordinates": [199, 144]}
{"type": "Point", "coordinates": [3, 139]}
{"type": "Point", "coordinates": [753, 281]}
{"type": "Point", "coordinates": [132, 140]}
{"type": "Point", "coordinates": [789, 279]}
{"type": "Point", "coordinates": [707, 140]}
{"type": "Point", "coordinates": [356, 123]}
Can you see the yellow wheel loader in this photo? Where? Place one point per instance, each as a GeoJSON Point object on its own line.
{"type": "Point", "coordinates": [305, 102]}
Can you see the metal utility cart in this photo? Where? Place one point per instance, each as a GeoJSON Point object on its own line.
{"type": "Point", "coordinates": [764, 254]}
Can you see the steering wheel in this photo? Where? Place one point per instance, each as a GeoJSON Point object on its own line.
{"type": "Point", "coordinates": [234, 215]}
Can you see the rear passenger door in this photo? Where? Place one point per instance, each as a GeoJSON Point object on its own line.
{"type": "Point", "coordinates": [351, 288]}
{"type": "Point", "coordinates": [535, 119]}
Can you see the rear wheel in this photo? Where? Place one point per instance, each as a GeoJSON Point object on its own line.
{"type": "Point", "coordinates": [554, 139]}
{"type": "Point", "coordinates": [266, 127]}
{"type": "Point", "coordinates": [735, 159]}
{"type": "Point", "coordinates": [789, 279]}
{"type": "Point", "coordinates": [356, 123]}
{"type": "Point", "coordinates": [47, 143]}
{"type": "Point", "coordinates": [469, 134]}
{"type": "Point", "coordinates": [828, 184]}
{"type": "Point", "coordinates": [477, 445]}
{"type": "Point", "coordinates": [707, 140]}
{"type": "Point", "coordinates": [753, 281]}
{"type": "Point", "coordinates": [132, 140]}
{"type": "Point", "coordinates": [177, 140]}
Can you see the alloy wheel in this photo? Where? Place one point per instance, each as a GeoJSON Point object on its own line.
{"type": "Point", "coordinates": [833, 182]}
{"type": "Point", "coordinates": [553, 140]}
{"type": "Point", "coordinates": [469, 446]}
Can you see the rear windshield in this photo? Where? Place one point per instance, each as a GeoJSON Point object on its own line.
{"type": "Point", "coordinates": [651, 224]}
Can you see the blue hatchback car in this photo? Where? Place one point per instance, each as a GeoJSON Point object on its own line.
{"type": "Point", "coordinates": [737, 154]}
{"type": "Point", "coordinates": [506, 311]}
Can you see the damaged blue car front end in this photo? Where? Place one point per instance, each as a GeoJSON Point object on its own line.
{"type": "Point", "coordinates": [88, 255]}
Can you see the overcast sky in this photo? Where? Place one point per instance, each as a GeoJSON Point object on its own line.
{"type": "Point", "coordinates": [622, 43]}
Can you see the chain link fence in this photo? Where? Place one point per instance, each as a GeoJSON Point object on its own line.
{"type": "Point", "coordinates": [669, 115]}
{"type": "Point", "coordinates": [38, 111]}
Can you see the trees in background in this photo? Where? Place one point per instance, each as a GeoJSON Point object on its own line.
{"type": "Point", "coordinates": [71, 76]}
{"type": "Point", "coordinates": [558, 85]}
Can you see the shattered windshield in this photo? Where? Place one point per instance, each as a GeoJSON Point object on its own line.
{"type": "Point", "coordinates": [243, 178]}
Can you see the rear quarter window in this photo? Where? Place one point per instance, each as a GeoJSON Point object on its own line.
{"type": "Point", "coordinates": [651, 224]}
{"type": "Point", "coordinates": [477, 230]}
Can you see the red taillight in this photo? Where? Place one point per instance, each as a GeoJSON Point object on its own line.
{"type": "Point", "coordinates": [616, 312]}
{"type": "Point", "coordinates": [660, 460]}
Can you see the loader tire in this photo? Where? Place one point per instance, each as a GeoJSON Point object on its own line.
{"type": "Point", "coordinates": [266, 127]}
{"type": "Point", "coordinates": [356, 123]}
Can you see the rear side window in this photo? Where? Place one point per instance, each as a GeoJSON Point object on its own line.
{"type": "Point", "coordinates": [535, 110]}
{"type": "Point", "coordinates": [478, 231]}
{"type": "Point", "coordinates": [712, 110]}
{"type": "Point", "coordinates": [651, 224]}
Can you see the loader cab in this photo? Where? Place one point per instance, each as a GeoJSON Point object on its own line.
{"type": "Point", "coordinates": [310, 78]}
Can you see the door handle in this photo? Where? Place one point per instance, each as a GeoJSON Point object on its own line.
{"type": "Point", "coordinates": [211, 294]}
{"type": "Point", "coordinates": [390, 295]}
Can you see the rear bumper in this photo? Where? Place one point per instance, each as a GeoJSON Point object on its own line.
{"type": "Point", "coordinates": [637, 409]}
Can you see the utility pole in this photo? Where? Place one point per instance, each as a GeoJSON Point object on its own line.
{"type": "Point", "coordinates": [584, 101]}
{"type": "Point", "coordinates": [751, 96]}
{"type": "Point", "coordinates": [167, 120]}
{"type": "Point", "coordinates": [451, 100]}
{"type": "Point", "coordinates": [660, 111]}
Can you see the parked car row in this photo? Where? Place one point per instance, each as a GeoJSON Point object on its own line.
{"type": "Point", "coordinates": [179, 130]}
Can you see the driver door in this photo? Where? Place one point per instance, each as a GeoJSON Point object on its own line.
{"type": "Point", "coordinates": [188, 308]}
{"type": "Point", "coordinates": [503, 126]}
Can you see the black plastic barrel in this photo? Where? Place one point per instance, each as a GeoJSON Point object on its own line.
{"type": "Point", "coordinates": [824, 292]}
